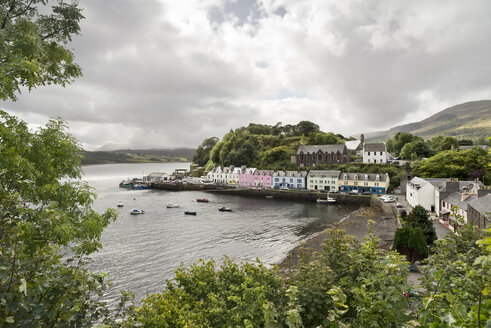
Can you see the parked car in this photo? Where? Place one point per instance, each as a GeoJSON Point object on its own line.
{"type": "Point", "coordinates": [366, 193]}
{"type": "Point", "coordinates": [353, 192]}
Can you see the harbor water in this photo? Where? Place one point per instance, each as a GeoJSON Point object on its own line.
{"type": "Point", "coordinates": [140, 252]}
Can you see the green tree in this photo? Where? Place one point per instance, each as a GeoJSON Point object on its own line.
{"type": "Point", "coordinates": [419, 217]}
{"type": "Point", "coordinates": [47, 230]}
{"type": "Point", "coordinates": [306, 127]}
{"type": "Point", "coordinates": [202, 155]}
{"type": "Point", "coordinates": [33, 44]}
{"type": "Point", "coordinates": [457, 281]}
{"type": "Point", "coordinates": [410, 241]}
{"type": "Point", "coordinates": [321, 138]}
{"type": "Point", "coordinates": [395, 144]}
{"type": "Point", "coordinates": [232, 295]}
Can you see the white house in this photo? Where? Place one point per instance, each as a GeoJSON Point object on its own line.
{"type": "Point", "coordinates": [374, 153]}
{"type": "Point", "coordinates": [323, 180]}
{"type": "Point", "coordinates": [430, 193]}
{"type": "Point", "coordinates": [290, 179]}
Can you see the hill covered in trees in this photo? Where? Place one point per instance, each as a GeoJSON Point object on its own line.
{"type": "Point", "coordinates": [263, 146]}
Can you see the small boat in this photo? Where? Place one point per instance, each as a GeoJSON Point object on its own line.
{"type": "Point", "coordinates": [225, 209]}
{"type": "Point", "coordinates": [269, 196]}
{"type": "Point", "coordinates": [202, 200]}
{"type": "Point", "coordinates": [170, 205]}
{"type": "Point", "coordinates": [190, 213]}
{"type": "Point", "coordinates": [328, 200]}
{"type": "Point", "coordinates": [136, 211]}
{"type": "Point", "coordinates": [119, 204]}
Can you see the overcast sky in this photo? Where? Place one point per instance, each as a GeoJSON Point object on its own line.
{"type": "Point", "coordinates": [171, 73]}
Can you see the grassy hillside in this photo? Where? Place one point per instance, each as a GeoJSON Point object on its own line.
{"type": "Point", "coordinates": [138, 156]}
{"type": "Point", "coordinates": [469, 120]}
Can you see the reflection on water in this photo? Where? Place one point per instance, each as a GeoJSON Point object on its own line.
{"type": "Point", "coordinates": [141, 252]}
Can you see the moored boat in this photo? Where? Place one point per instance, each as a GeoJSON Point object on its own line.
{"type": "Point", "coordinates": [136, 211]}
{"type": "Point", "coordinates": [119, 204]}
{"type": "Point", "coordinates": [190, 213]}
{"type": "Point", "coordinates": [225, 209]}
{"type": "Point", "coordinates": [202, 200]}
{"type": "Point", "coordinates": [170, 205]}
{"type": "Point", "coordinates": [328, 200]}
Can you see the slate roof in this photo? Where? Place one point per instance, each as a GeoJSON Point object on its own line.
{"type": "Point", "coordinates": [298, 174]}
{"type": "Point", "coordinates": [323, 173]}
{"type": "Point", "coordinates": [324, 148]}
{"type": "Point", "coordinates": [455, 198]}
{"type": "Point", "coordinates": [482, 204]}
{"type": "Point", "coordinates": [364, 176]}
{"type": "Point", "coordinates": [375, 147]}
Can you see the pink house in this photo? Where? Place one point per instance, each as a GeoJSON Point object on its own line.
{"type": "Point", "coordinates": [263, 178]}
{"type": "Point", "coordinates": [247, 177]}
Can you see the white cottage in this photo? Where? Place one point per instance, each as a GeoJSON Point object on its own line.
{"type": "Point", "coordinates": [374, 153]}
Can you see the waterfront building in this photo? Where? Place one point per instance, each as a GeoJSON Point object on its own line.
{"type": "Point", "coordinates": [289, 179]}
{"type": "Point", "coordinates": [374, 153]}
{"type": "Point", "coordinates": [313, 155]}
{"type": "Point", "coordinates": [323, 180]}
{"type": "Point", "coordinates": [263, 178]}
{"type": "Point", "coordinates": [364, 182]}
{"type": "Point", "coordinates": [156, 177]}
{"type": "Point", "coordinates": [246, 177]}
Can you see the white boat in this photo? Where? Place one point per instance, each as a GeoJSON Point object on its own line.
{"type": "Point", "coordinates": [119, 204]}
{"type": "Point", "coordinates": [328, 200]}
{"type": "Point", "coordinates": [170, 205]}
{"type": "Point", "coordinates": [136, 211]}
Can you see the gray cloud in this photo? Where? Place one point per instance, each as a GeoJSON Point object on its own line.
{"type": "Point", "coordinates": [172, 73]}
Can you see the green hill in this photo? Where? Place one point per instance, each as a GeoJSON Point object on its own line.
{"type": "Point", "coordinates": [470, 120]}
{"type": "Point", "coordinates": [138, 156]}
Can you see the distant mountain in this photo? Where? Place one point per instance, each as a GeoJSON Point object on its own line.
{"type": "Point", "coordinates": [139, 156]}
{"type": "Point", "coordinates": [468, 120]}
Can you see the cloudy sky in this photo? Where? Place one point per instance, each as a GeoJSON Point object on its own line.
{"type": "Point", "coordinates": [171, 73]}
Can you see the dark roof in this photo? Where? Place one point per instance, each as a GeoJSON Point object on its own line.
{"type": "Point", "coordinates": [323, 174]}
{"type": "Point", "coordinates": [375, 147]}
{"type": "Point", "coordinates": [455, 198]}
{"type": "Point", "coordinates": [481, 204]}
{"type": "Point", "coordinates": [364, 176]}
{"type": "Point", "coordinates": [324, 148]}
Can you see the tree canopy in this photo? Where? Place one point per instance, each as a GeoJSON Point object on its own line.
{"type": "Point", "coordinates": [47, 229]}
{"type": "Point", "coordinates": [33, 39]}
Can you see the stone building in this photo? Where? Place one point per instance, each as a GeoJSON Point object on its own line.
{"type": "Point", "coordinates": [313, 155]}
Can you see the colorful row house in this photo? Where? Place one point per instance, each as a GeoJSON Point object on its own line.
{"type": "Point", "coordinates": [364, 182]}
{"type": "Point", "coordinates": [323, 180]}
{"type": "Point", "coordinates": [289, 179]}
{"type": "Point", "coordinates": [225, 175]}
{"type": "Point", "coordinates": [251, 177]}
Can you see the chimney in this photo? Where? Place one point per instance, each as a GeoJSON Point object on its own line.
{"type": "Point", "coordinates": [483, 192]}
{"type": "Point", "coordinates": [451, 186]}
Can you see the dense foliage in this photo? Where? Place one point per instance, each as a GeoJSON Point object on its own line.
{"type": "Point", "coordinates": [202, 155]}
{"type": "Point", "coordinates": [47, 229]}
{"type": "Point", "coordinates": [461, 164]}
{"type": "Point", "coordinates": [33, 40]}
{"type": "Point", "coordinates": [347, 284]}
{"type": "Point", "coordinates": [457, 281]}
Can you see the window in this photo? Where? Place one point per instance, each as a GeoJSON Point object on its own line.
{"type": "Point", "coordinates": [291, 180]}
{"type": "Point", "coordinates": [368, 160]}
{"type": "Point", "coordinates": [299, 180]}
{"type": "Point", "coordinates": [375, 161]}
{"type": "Point", "coordinates": [356, 183]}
{"type": "Point", "coordinates": [366, 183]}
{"type": "Point", "coordinates": [380, 153]}
{"type": "Point", "coordinates": [368, 153]}
{"type": "Point", "coordinates": [376, 184]}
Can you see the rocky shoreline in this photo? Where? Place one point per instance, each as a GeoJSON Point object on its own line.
{"type": "Point", "coordinates": [355, 224]}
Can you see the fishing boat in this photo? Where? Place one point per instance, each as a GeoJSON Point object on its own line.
{"type": "Point", "coordinates": [202, 200]}
{"type": "Point", "coordinates": [225, 209]}
{"type": "Point", "coordinates": [136, 211]}
{"type": "Point", "coordinates": [190, 213]}
{"type": "Point", "coordinates": [170, 205]}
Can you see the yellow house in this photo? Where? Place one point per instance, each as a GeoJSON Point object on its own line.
{"type": "Point", "coordinates": [376, 183]}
